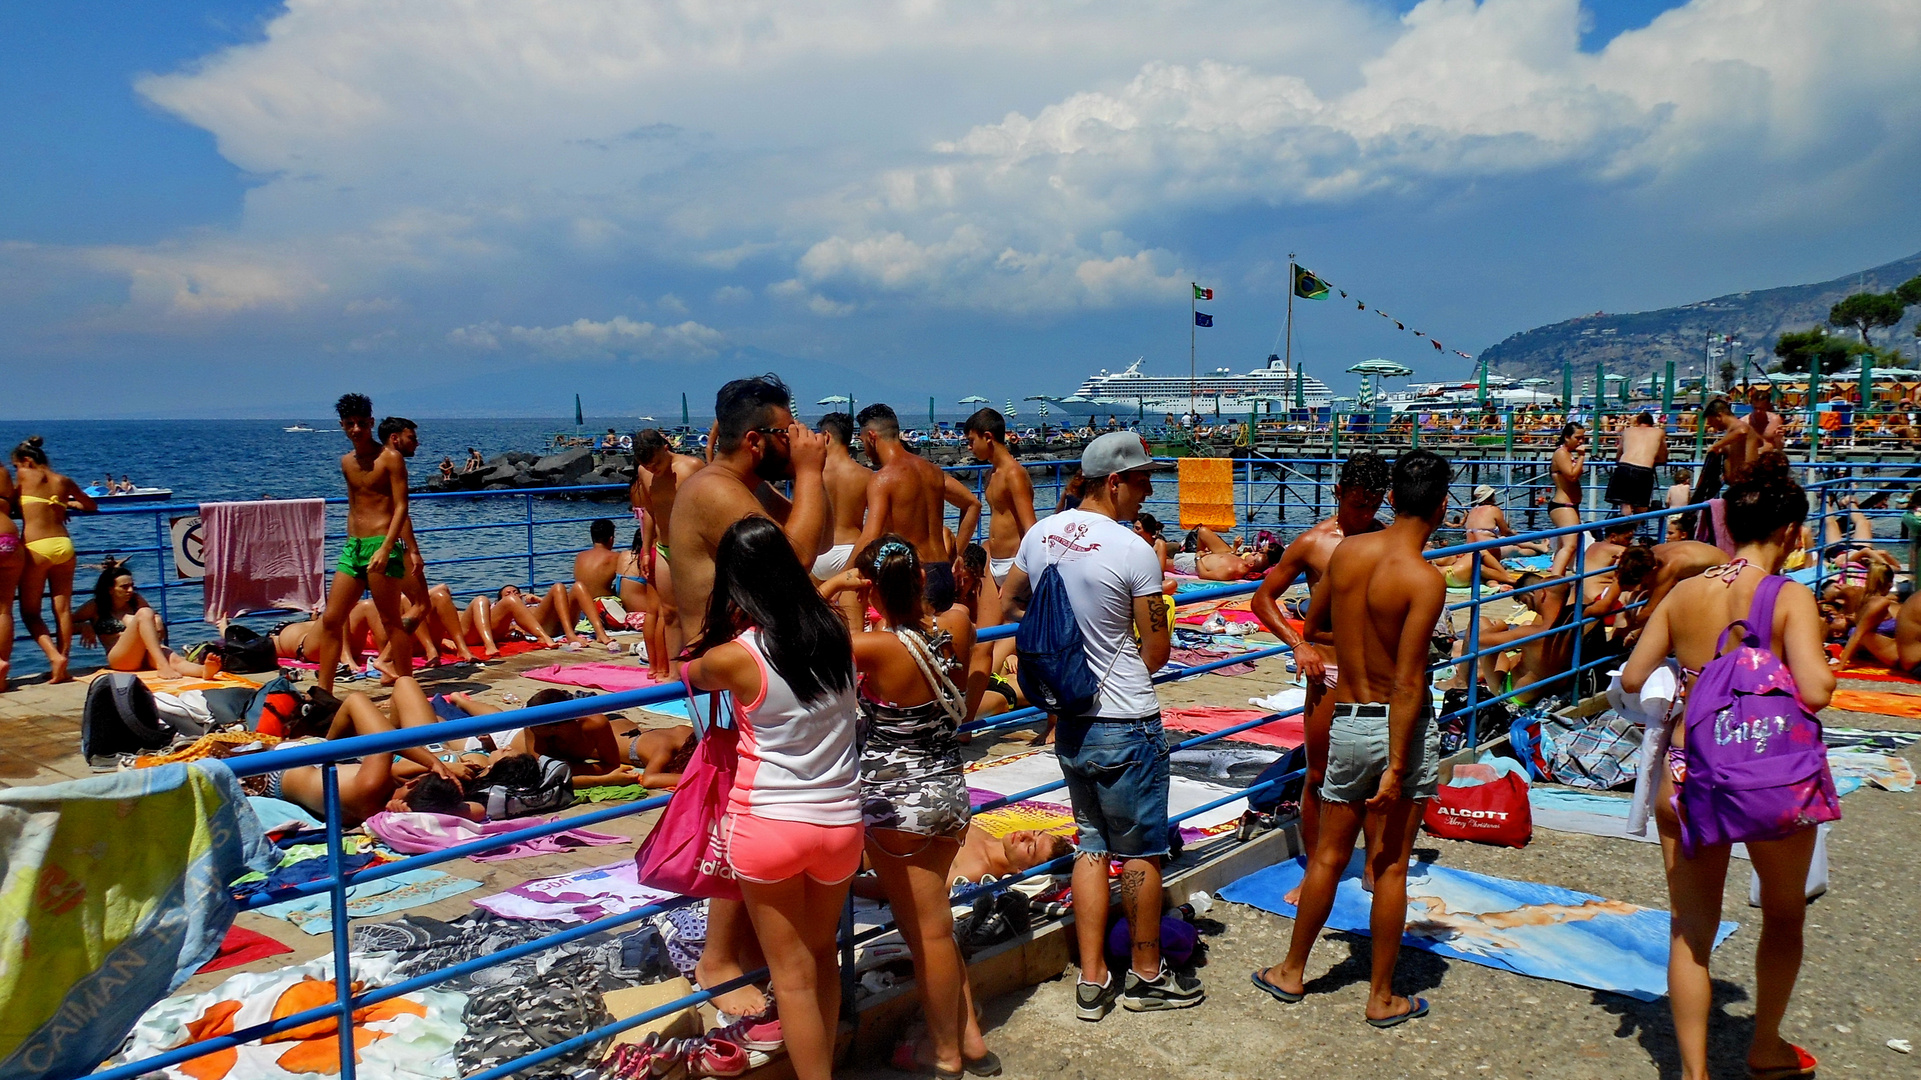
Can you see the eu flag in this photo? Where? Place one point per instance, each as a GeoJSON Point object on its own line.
{"type": "Point", "coordinates": [1202, 318]}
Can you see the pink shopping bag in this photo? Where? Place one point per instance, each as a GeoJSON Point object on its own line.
{"type": "Point", "coordinates": [684, 854]}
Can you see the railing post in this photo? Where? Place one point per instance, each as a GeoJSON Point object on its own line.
{"type": "Point", "coordinates": [343, 954]}
{"type": "Point", "coordinates": [1576, 595]}
{"type": "Point", "coordinates": [848, 982]}
{"type": "Point", "coordinates": [1473, 651]}
{"type": "Point", "coordinates": [530, 541]}
{"type": "Point", "coordinates": [163, 543]}
{"type": "Point", "coordinates": [1247, 489]}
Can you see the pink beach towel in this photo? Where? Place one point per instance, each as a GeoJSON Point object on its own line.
{"type": "Point", "coordinates": [611, 677]}
{"type": "Point", "coordinates": [1713, 526]}
{"type": "Point", "coordinates": [1202, 719]}
{"type": "Point", "coordinates": [417, 834]}
{"type": "Point", "coordinates": [264, 555]}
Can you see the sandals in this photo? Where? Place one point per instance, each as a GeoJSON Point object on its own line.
{"type": "Point", "coordinates": [1804, 1065]}
{"type": "Point", "coordinates": [654, 1058]}
{"type": "Point", "coordinates": [1285, 997]}
{"type": "Point", "coordinates": [907, 1059]}
{"type": "Point", "coordinates": [1416, 1008]}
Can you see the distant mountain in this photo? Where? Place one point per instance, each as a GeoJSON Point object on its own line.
{"type": "Point", "coordinates": [1641, 343]}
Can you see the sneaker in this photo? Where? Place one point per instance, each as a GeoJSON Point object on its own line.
{"type": "Point", "coordinates": [1092, 1002]}
{"type": "Point", "coordinates": [1168, 990]}
{"type": "Point", "coordinates": [750, 1032]}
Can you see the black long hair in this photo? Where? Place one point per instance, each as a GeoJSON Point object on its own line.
{"type": "Point", "coordinates": [110, 571]}
{"type": "Point", "coordinates": [759, 580]}
{"type": "Point", "coordinates": [1765, 499]}
{"type": "Point", "coordinates": [899, 587]}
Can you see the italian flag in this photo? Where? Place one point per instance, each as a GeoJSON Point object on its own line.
{"type": "Point", "coordinates": [1203, 294]}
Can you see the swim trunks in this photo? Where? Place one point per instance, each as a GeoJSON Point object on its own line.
{"type": "Point", "coordinates": [1630, 485]}
{"type": "Point", "coordinates": [1185, 562]}
{"type": "Point", "coordinates": [1000, 568]}
{"type": "Point", "coordinates": [1357, 750]}
{"type": "Point", "coordinates": [50, 550]}
{"type": "Point", "coordinates": [359, 551]}
{"type": "Point", "coordinates": [832, 561]}
{"type": "Point", "coordinates": [939, 585]}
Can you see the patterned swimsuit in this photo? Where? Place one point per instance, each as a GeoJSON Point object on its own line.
{"type": "Point", "coordinates": [910, 759]}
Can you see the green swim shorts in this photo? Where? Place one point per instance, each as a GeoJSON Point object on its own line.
{"type": "Point", "coordinates": [360, 549]}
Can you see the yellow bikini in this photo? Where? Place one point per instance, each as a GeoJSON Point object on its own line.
{"type": "Point", "coordinates": [49, 550]}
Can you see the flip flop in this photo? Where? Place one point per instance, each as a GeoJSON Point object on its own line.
{"type": "Point", "coordinates": [1804, 1065]}
{"type": "Point", "coordinates": [1280, 995]}
{"type": "Point", "coordinates": [1416, 1009]}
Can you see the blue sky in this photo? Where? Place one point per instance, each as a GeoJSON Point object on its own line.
{"type": "Point", "coordinates": [228, 208]}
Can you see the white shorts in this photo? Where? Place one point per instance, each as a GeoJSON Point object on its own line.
{"type": "Point", "coordinates": [1186, 562]}
{"type": "Point", "coordinates": [1000, 568]}
{"type": "Point", "coordinates": [832, 561]}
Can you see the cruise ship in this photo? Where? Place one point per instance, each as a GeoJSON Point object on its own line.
{"type": "Point", "coordinates": [1219, 391]}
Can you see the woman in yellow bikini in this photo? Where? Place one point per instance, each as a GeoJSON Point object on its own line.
{"type": "Point", "coordinates": [44, 498]}
{"type": "Point", "coordinates": [13, 561]}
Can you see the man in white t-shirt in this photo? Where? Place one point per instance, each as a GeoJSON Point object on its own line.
{"type": "Point", "coordinates": [1115, 758]}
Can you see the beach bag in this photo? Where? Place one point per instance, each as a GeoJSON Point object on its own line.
{"type": "Point", "coordinates": [1755, 765]}
{"type": "Point", "coordinates": [685, 853]}
{"type": "Point", "coordinates": [1496, 812]}
{"type": "Point", "coordinates": [1054, 672]}
{"type": "Point", "coordinates": [121, 717]}
{"type": "Point", "coordinates": [246, 653]}
{"type": "Point", "coordinates": [555, 791]}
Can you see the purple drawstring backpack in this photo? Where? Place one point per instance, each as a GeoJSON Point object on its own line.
{"type": "Point", "coordinates": [1756, 768]}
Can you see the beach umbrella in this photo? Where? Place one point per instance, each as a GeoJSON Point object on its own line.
{"type": "Point", "coordinates": [835, 399]}
{"type": "Point", "coordinates": [577, 417]}
{"type": "Point", "coordinates": [973, 399]}
{"type": "Point", "coordinates": [1382, 367]}
{"type": "Point", "coordinates": [683, 410]}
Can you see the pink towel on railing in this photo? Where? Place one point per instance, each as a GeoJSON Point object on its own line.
{"type": "Point", "coordinates": [610, 677]}
{"type": "Point", "coordinates": [416, 834]}
{"type": "Point", "coordinates": [264, 555]}
{"type": "Point", "coordinates": [1712, 528]}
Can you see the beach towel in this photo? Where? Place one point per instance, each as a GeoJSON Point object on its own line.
{"type": "Point", "coordinates": [115, 891]}
{"type": "Point", "coordinates": [1207, 493]}
{"type": "Point", "coordinates": [1285, 733]}
{"type": "Point", "coordinates": [1712, 527]}
{"type": "Point", "coordinates": [410, 1037]}
{"type": "Point", "coordinates": [261, 555]}
{"type": "Point", "coordinates": [417, 834]}
{"type": "Point", "coordinates": [613, 889]}
{"type": "Point", "coordinates": [159, 684]}
{"type": "Point", "coordinates": [1877, 702]}
{"type": "Point", "coordinates": [1019, 772]}
{"type": "Point", "coordinates": [243, 946]}
{"type": "Point", "coordinates": [1524, 927]}
{"type": "Point", "coordinates": [447, 656]}
{"type": "Point", "coordinates": [1847, 738]}
{"type": "Point", "coordinates": [610, 677]}
{"type": "Point", "coordinates": [408, 889]}
{"type": "Point", "coordinates": [1039, 816]}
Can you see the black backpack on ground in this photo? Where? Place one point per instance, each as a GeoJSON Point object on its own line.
{"type": "Point", "coordinates": [554, 792]}
{"type": "Point", "coordinates": [244, 652]}
{"type": "Point", "coordinates": [120, 717]}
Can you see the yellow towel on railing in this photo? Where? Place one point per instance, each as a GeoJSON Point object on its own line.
{"type": "Point", "coordinates": [1207, 493]}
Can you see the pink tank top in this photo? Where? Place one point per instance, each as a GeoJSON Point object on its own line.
{"type": "Point", "coordinates": [797, 762]}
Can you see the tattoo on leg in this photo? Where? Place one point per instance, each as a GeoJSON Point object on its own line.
{"type": "Point", "coordinates": [1131, 881]}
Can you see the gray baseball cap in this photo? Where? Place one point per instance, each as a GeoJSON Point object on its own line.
{"type": "Point", "coordinates": [1118, 452]}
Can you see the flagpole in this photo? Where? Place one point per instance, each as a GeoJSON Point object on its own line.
{"type": "Point", "coordinates": [1287, 349]}
{"type": "Point", "coordinates": [1193, 307]}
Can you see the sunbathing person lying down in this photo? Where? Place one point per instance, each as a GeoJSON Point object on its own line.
{"type": "Point", "coordinates": [983, 855]}
{"type": "Point", "coordinates": [594, 750]}
{"type": "Point", "coordinates": [1214, 559]}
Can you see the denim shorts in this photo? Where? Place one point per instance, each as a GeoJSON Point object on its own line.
{"type": "Point", "coordinates": [1117, 780]}
{"type": "Point", "coordinates": [1357, 755]}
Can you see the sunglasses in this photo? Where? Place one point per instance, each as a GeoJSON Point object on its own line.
{"type": "Point", "coordinates": [771, 432]}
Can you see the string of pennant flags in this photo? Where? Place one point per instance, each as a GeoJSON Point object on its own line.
{"type": "Point", "coordinates": [1311, 286]}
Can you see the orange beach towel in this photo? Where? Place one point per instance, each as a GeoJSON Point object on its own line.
{"type": "Point", "coordinates": [1207, 493]}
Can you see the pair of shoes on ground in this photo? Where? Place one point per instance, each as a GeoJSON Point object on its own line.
{"type": "Point", "coordinates": [655, 1058]}
{"type": "Point", "coordinates": [759, 1035]}
{"type": "Point", "coordinates": [1168, 990]}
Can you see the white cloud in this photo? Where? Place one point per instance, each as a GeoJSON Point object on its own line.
{"type": "Point", "coordinates": [618, 336]}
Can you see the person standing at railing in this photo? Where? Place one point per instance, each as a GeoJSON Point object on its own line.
{"type": "Point", "coordinates": [1380, 605]}
{"type": "Point", "coordinates": [756, 443]}
{"type": "Point", "coordinates": [374, 559]}
{"type": "Point", "coordinates": [424, 607]}
{"type": "Point", "coordinates": [1358, 491]}
{"type": "Point", "coordinates": [792, 831]}
{"type": "Point", "coordinates": [43, 499]}
{"type": "Point", "coordinates": [846, 482]}
{"type": "Point", "coordinates": [1763, 512]}
{"type": "Point", "coordinates": [1564, 505]}
{"type": "Point", "coordinates": [1115, 759]}
{"type": "Point", "coordinates": [1010, 492]}
{"type": "Point", "coordinates": [595, 571]}
{"type": "Point", "coordinates": [1643, 445]}
{"type": "Point", "coordinates": [659, 472]}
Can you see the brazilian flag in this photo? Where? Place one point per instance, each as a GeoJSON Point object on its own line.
{"type": "Point", "coordinates": [1307, 286]}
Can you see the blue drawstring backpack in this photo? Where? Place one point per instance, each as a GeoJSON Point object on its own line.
{"type": "Point", "coordinates": [1053, 672]}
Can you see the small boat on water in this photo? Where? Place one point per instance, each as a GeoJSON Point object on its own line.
{"type": "Point", "coordinates": [299, 427]}
{"type": "Point", "coordinates": [100, 494]}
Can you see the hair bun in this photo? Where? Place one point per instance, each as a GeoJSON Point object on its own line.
{"type": "Point", "coordinates": [1770, 469]}
{"type": "Point", "coordinates": [36, 441]}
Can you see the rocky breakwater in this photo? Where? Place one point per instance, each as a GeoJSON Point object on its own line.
{"type": "Point", "coordinates": [518, 470]}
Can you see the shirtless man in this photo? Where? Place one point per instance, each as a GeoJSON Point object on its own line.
{"type": "Point", "coordinates": [908, 495]}
{"type": "Point", "coordinates": [374, 558]}
{"type": "Point", "coordinates": [846, 482]}
{"type": "Point", "coordinates": [1380, 605]}
{"type": "Point", "coordinates": [1644, 444]}
{"type": "Point", "coordinates": [756, 442]}
{"type": "Point", "coordinates": [423, 606]}
{"type": "Point", "coordinates": [1358, 492]}
{"type": "Point", "coordinates": [1564, 505]}
{"type": "Point", "coordinates": [666, 471]}
{"type": "Point", "coordinates": [594, 572]}
{"type": "Point", "coordinates": [1214, 559]}
{"type": "Point", "coordinates": [1748, 437]}
{"type": "Point", "coordinates": [1485, 520]}
{"type": "Point", "coordinates": [1010, 491]}
{"type": "Point", "coordinates": [1651, 572]}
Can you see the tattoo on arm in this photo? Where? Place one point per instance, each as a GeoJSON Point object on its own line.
{"type": "Point", "coordinates": [1157, 615]}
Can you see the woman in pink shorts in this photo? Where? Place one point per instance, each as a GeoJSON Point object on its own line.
{"type": "Point", "coordinates": [793, 826]}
